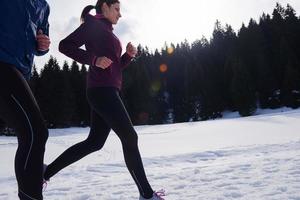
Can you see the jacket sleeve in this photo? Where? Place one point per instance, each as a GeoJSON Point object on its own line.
{"type": "Point", "coordinates": [70, 46]}
{"type": "Point", "coordinates": [45, 29]}
{"type": "Point", "coordinates": [125, 60]}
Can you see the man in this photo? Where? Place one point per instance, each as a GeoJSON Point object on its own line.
{"type": "Point", "coordinates": [24, 32]}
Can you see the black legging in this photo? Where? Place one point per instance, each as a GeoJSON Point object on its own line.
{"type": "Point", "coordinates": [18, 108]}
{"type": "Point", "coordinates": [107, 112]}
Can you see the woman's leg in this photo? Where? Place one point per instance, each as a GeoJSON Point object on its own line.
{"type": "Point", "coordinates": [108, 104]}
{"type": "Point", "coordinates": [18, 108]}
{"type": "Point", "coordinates": [95, 141]}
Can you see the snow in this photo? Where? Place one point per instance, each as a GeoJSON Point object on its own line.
{"type": "Point", "coordinates": [252, 158]}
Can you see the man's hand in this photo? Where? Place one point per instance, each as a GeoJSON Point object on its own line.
{"type": "Point", "coordinates": [131, 50]}
{"type": "Point", "coordinates": [43, 41]}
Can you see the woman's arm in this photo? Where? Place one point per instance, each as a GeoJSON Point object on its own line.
{"type": "Point", "coordinates": [125, 60]}
{"type": "Point", "coordinates": [130, 53]}
{"type": "Point", "coordinates": [70, 46]}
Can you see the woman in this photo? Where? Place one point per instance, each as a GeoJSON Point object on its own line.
{"type": "Point", "coordinates": [103, 54]}
{"type": "Point", "coordinates": [23, 34]}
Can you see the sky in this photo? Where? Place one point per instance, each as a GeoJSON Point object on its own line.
{"type": "Point", "coordinates": [153, 23]}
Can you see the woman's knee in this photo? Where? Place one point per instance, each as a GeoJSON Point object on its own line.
{"type": "Point", "coordinates": [94, 145]}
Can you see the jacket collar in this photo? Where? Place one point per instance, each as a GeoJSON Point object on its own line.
{"type": "Point", "coordinates": [101, 17]}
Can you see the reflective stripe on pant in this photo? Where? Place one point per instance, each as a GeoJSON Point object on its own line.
{"type": "Point", "coordinates": [19, 109]}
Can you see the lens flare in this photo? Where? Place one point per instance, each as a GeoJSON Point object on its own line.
{"type": "Point", "coordinates": [163, 68]}
{"type": "Point", "coordinates": [155, 88]}
{"type": "Point", "coordinates": [143, 117]}
{"type": "Point", "coordinates": [170, 50]}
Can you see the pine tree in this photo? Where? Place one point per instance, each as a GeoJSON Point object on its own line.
{"type": "Point", "coordinates": [33, 82]}
{"type": "Point", "coordinates": [68, 98]}
{"type": "Point", "coordinates": [291, 86]}
{"type": "Point", "coordinates": [49, 93]}
{"type": "Point", "coordinates": [76, 89]}
{"type": "Point", "coordinates": [84, 110]}
{"type": "Point", "coordinates": [2, 127]}
{"type": "Point", "coordinates": [242, 89]}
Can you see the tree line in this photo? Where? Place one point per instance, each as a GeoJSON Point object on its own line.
{"type": "Point", "coordinates": [256, 67]}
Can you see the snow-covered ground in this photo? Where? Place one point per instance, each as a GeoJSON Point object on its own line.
{"type": "Point", "coordinates": [253, 158]}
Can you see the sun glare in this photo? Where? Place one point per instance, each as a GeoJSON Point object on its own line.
{"type": "Point", "coordinates": [174, 21]}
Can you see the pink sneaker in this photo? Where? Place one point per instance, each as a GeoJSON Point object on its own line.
{"type": "Point", "coordinates": [45, 182]}
{"type": "Point", "coordinates": [156, 195]}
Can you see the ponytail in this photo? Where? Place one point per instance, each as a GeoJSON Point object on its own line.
{"type": "Point", "coordinates": [98, 6]}
{"type": "Point", "coordinates": [85, 12]}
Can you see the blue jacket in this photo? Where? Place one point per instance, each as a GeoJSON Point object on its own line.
{"type": "Point", "coordinates": [19, 22]}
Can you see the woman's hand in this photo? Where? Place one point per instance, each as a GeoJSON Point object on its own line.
{"type": "Point", "coordinates": [131, 50]}
{"type": "Point", "coordinates": [103, 62]}
{"type": "Point", "coordinates": [43, 41]}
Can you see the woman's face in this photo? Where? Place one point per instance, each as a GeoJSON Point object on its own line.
{"type": "Point", "coordinates": [112, 12]}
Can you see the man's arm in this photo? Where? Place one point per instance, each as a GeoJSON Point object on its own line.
{"type": "Point", "coordinates": [42, 38]}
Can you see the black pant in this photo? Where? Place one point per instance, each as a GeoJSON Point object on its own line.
{"type": "Point", "coordinates": [19, 109]}
{"type": "Point", "coordinates": [107, 112]}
